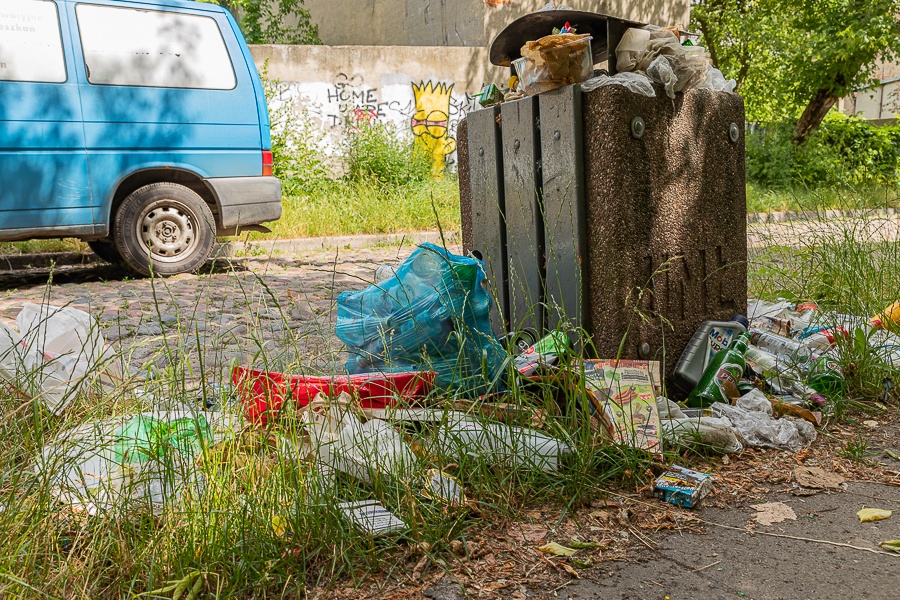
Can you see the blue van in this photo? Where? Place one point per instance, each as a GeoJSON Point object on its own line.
{"type": "Point", "coordinates": [139, 126]}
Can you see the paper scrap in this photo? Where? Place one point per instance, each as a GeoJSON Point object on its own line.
{"type": "Point", "coordinates": [773, 512]}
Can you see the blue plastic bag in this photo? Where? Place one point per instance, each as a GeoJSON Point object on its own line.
{"type": "Point", "coordinates": [433, 315]}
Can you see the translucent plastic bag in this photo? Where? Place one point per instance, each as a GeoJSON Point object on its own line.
{"type": "Point", "coordinates": [54, 352]}
{"type": "Point", "coordinates": [759, 429]}
{"type": "Point", "coordinates": [635, 82]}
{"type": "Point", "coordinates": [714, 433]}
{"type": "Point", "coordinates": [122, 463]}
{"type": "Point", "coordinates": [433, 315]}
{"type": "Point", "coordinates": [715, 80]}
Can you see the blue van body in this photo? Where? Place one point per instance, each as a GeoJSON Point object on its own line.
{"type": "Point", "coordinates": [72, 150]}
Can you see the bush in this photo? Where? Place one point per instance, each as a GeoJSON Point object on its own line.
{"type": "Point", "coordinates": [373, 150]}
{"type": "Point", "coordinates": [296, 143]}
{"type": "Point", "coordinates": [844, 150]}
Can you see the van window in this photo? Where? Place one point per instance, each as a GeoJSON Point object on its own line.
{"type": "Point", "coordinates": [124, 46]}
{"type": "Point", "coordinates": [30, 42]}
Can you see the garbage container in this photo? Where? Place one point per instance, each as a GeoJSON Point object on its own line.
{"type": "Point", "coordinates": [610, 211]}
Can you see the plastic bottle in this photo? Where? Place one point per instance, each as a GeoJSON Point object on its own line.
{"type": "Point", "coordinates": [778, 345]}
{"type": "Point", "coordinates": [710, 337]}
{"type": "Point", "coordinates": [824, 375]}
{"type": "Point", "coordinates": [720, 380]}
{"type": "Point", "coordinates": [821, 339]}
{"type": "Point", "coordinates": [889, 316]}
{"type": "Point", "coordinates": [782, 376]}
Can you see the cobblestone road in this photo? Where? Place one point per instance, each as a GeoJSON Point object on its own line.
{"type": "Point", "coordinates": [275, 311]}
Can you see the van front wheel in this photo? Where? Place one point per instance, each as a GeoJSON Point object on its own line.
{"type": "Point", "coordinates": [165, 228]}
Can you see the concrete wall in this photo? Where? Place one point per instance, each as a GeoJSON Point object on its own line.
{"type": "Point", "coordinates": [459, 22]}
{"type": "Point", "coordinates": [334, 83]}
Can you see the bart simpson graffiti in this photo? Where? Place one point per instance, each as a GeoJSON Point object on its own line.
{"type": "Point", "coordinates": [430, 123]}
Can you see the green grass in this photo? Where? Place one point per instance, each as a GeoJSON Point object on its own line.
{"type": "Point", "coordinates": [266, 524]}
{"type": "Point", "coordinates": [359, 207]}
{"type": "Point", "coordinates": [42, 246]}
{"type": "Point", "coordinates": [760, 199]}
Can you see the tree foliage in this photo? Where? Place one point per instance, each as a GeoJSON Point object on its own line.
{"type": "Point", "coordinates": [794, 60]}
{"type": "Point", "coordinates": [272, 21]}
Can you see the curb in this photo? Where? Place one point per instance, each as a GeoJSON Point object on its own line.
{"type": "Point", "coordinates": [350, 242]}
{"type": "Point", "coordinates": [17, 262]}
{"type": "Point", "coordinates": [786, 216]}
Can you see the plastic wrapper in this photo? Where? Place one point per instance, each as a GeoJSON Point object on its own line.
{"type": "Point", "coordinates": [131, 462]}
{"type": "Point", "coordinates": [668, 409]}
{"type": "Point", "coordinates": [677, 72]}
{"type": "Point", "coordinates": [661, 56]}
{"type": "Point", "coordinates": [554, 61]}
{"type": "Point", "coordinates": [715, 80]}
{"type": "Point", "coordinates": [760, 430]}
{"type": "Point", "coordinates": [55, 351]}
{"type": "Point", "coordinates": [755, 400]}
{"type": "Point", "coordinates": [432, 316]}
{"type": "Point", "coordinates": [711, 433]}
{"type": "Point", "coordinates": [634, 82]}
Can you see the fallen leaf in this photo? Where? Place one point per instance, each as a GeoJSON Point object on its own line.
{"type": "Point", "coordinates": [557, 549]}
{"type": "Point", "coordinates": [773, 512]}
{"type": "Point", "coordinates": [581, 564]}
{"type": "Point", "coordinates": [570, 570]}
{"type": "Point", "coordinates": [583, 545]}
{"type": "Point", "coordinates": [867, 515]}
{"type": "Point", "coordinates": [817, 478]}
{"type": "Point", "coordinates": [892, 545]}
{"type": "Point", "coordinates": [871, 424]}
{"type": "Point", "coordinates": [279, 526]}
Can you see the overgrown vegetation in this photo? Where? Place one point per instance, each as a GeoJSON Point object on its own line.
{"type": "Point", "coordinates": [844, 151]}
{"type": "Point", "coordinates": [376, 180]}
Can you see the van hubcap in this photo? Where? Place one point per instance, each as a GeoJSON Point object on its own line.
{"type": "Point", "coordinates": [167, 230]}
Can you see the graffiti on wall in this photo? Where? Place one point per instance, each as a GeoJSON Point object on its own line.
{"type": "Point", "coordinates": [428, 109]}
{"type": "Point", "coordinates": [431, 122]}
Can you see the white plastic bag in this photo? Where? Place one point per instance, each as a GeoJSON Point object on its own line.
{"type": "Point", "coordinates": [755, 400]}
{"type": "Point", "coordinates": [133, 461]}
{"type": "Point", "coordinates": [634, 82]}
{"type": "Point", "coordinates": [711, 432]}
{"type": "Point", "coordinates": [715, 80]}
{"type": "Point", "coordinates": [661, 71]}
{"type": "Point", "coordinates": [759, 429]}
{"type": "Point", "coordinates": [54, 352]}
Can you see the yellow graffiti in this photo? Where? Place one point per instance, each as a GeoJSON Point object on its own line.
{"type": "Point", "coordinates": [430, 123]}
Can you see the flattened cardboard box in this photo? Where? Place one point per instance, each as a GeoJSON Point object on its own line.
{"type": "Point", "coordinates": [623, 392]}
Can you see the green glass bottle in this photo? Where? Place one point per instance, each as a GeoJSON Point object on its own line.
{"type": "Point", "coordinates": [720, 380]}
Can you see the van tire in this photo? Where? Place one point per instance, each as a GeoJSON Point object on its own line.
{"type": "Point", "coordinates": [165, 228]}
{"type": "Point", "coordinates": [106, 251]}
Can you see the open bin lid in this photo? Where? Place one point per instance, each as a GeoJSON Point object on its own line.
{"type": "Point", "coordinates": [507, 46]}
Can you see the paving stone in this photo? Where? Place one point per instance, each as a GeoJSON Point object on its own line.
{"type": "Point", "coordinates": [149, 329]}
{"type": "Point", "coordinates": [232, 304]}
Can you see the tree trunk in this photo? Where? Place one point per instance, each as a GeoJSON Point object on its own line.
{"type": "Point", "coordinates": [813, 114]}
